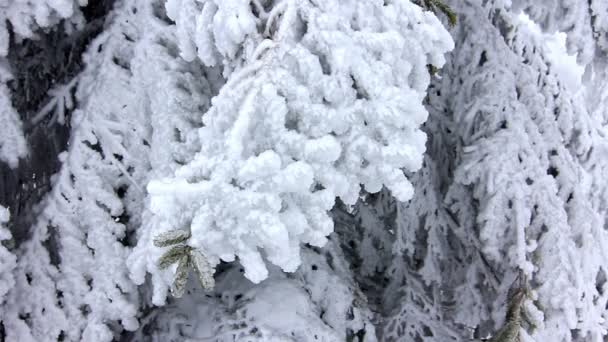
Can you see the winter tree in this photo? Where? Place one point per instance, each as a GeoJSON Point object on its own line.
{"type": "Point", "coordinates": [293, 170]}
{"type": "Point", "coordinates": [519, 153]}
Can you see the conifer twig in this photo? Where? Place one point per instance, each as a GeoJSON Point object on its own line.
{"type": "Point", "coordinates": [513, 318]}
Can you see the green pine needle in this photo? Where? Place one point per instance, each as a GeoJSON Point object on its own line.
{"type": "Point", "coordinates": [439, 6]}
{"type": "Point", "coordinates": [173, 255]}
{"type": "Point", "coordinates": [513, 320]}
{"type": "Point", "coordinates": [203, 269]}
{"type": "Point", "coordinates": [171, 237]}
{"type": "Point", "coordinates": [181, 277]}
{"type": "Point", "coordinates": [445, 9]}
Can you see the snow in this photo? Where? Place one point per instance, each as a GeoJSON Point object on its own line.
{"type": "Point", "coordinates": [12, 142]}
{"type": "Point", "coordinates": [564, 64]}
{"type": "Point", "coordinates": [7, 259]}
{"type": "Point", "coordinates": [317, 303]}
{"type": "Point", "coordinates": [291, 171]}
{"type": "Point", "coordinates": [511, 110]}
{"type": "Point", "coordinates": [26, 16]}
{"type": "Point", "coordinates": [285, 135]}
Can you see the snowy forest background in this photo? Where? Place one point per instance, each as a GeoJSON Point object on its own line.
{"type": "Point", "coordinates": [303, 170]}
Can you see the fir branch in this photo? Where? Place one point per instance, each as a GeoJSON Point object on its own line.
{"type": "Point", "coordinates": [446, 10]}
{"type": "Point", "coordinates": [173, 255]}
{"type": "Point", "coordinates": [513, 320]}
{"type": "Point", "coordinates": [171, 237]}
{"type": "Point", "coordinates": [181, 277]}
{"type": "Point", "coordinates": [439, 6]}
{"type": "Point", "coordinates": [203, 269]}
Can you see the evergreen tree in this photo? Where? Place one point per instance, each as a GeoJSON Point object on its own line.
{"type": "Point", "coordinates": [291, 170]}
{"type": "Point", "coordinates": [517, 155]}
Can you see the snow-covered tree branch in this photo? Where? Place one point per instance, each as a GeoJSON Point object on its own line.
{"type": "Point", "coordinates": [304, 170]}
{"type": "Point", "coordinates": [314, 110]}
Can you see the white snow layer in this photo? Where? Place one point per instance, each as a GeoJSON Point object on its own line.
{"type": "Point", "coordinates": [317, 103]}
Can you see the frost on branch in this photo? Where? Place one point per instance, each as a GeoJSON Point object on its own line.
{"type": "Point", "coordinates": [185, 257]}
{"type": "Point", "coordinates": [319, 302]}
{"type": "Point", "coordinates": [518, 189]}
{"type": "Point", "coordinates": [513, 161]}
{"type": "Point", "coordinates": [584, 22]}
{"type": "Point", "coordinates": [7, 259]}
{"type": "Point", "coordinates": [177, 93]}
{"type": "Point", "coordinates": [26, 16]}
{"type": "Point", "coordinates": [171, 237]}
{"type": "Point", "coordinates": [60, 102]}
{"type": "Point", "coordinates": [426, 245]}
{"type": "Point", "coordinates": [137, 106]}
{"type": "Point", "coordinates": [79, 288]}
{"type": "Point", "coordinates": [321, 98]}
{"type": "Point", "coordinates": [530, 156]}
{"type": "Point", "coordinates": [12, 141]}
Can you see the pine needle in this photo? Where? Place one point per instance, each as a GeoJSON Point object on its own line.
{"type": "Point", "coordinates": [173, 255]}
{"type": "Point", "coordinates": [171, 237]}
{"type": "Point", "coordinates": [510, 330]}
{"type": "Point", "coordinates": [203, 269]}
{"type": "Point", "coordinates": [438, 5]}
{"type": "Point", "coordinates": [181, 277]}
{"type": "Point", "coordinates": [445, 9]}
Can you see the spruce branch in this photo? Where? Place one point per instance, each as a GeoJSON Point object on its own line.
{"type": "Point", "coordinates": [186, 257]}
{"type": "Point", "coordinates": [446, 10]}
{"type": "Point", "coordinates": [173, 255]}
{"type": "Point", "coordinates": [203, 269]}
{"type": "Point", "coordinates": [171, 237]}
{"type": "Point", "coordinates": [439, 6]}
{"type": "Point", "coordinates": [513, 318]}
{"type": "Point", "coordinates": [181, 277]}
